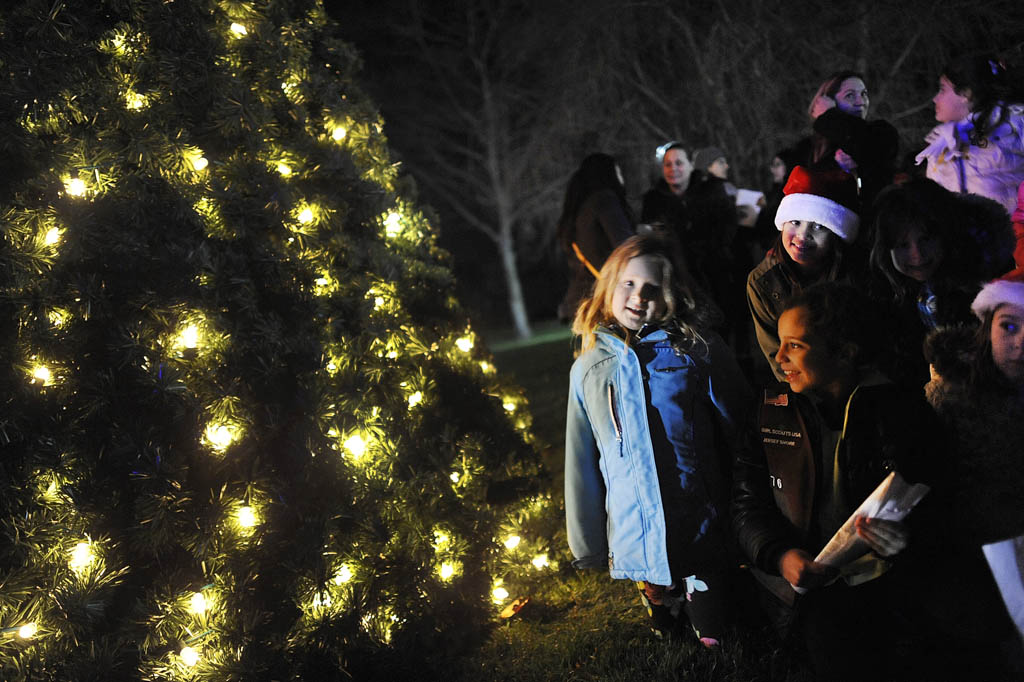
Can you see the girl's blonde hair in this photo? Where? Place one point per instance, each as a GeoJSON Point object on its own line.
{"type": "Point", "coordinates": [684, 315]}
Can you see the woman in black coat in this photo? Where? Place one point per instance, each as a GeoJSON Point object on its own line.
{"type": "Point", "coordinates": [595, 219]}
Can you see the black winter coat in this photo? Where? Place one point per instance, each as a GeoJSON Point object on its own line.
{"type": "Point", "coordinates": [777, 490]}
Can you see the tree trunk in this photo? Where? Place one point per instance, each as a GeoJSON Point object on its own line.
{"type": "Point", "coordinates": [516, 302]}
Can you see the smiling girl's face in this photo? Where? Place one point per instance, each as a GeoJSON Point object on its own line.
{"type": "Point", "coordinates": [807, 243]}
{"type": "Point", "coordinates": [638, 298]}
{"type": "Point", "coordinates": [917, 254]}
{"type": "Point", "coordinates": [806, 360]}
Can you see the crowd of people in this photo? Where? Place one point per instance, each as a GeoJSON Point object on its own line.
{"type": "Point", "coordinates": [888, 306]}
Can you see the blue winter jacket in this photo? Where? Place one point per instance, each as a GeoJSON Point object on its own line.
{"type": "Point", "coordinates": [614, 506]}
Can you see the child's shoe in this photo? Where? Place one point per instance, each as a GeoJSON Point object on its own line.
{"type": "Point", "coordinates": [663, 606]}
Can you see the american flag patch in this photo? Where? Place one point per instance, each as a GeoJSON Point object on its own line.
{"type": "Point", "coordinates": [781, 400]}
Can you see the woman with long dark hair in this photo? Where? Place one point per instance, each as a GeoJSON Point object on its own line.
{"type": "Point", "coordinates": [595, 219]}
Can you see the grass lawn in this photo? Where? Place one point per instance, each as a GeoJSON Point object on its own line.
{"type": "Point", "coordinates": [587, 626]}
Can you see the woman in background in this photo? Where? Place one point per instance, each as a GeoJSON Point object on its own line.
{"type": "Point", "coordinates": [665, 202]}
{"type": "Point", "coordinates": [595, 219]}
{"type": "Point", "coordinates": [844, 138]}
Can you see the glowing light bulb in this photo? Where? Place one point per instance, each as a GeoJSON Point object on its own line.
{"type": "Point", "coordinates": [42, 374]}
{"type": "Point", "coordinates": [465, 344]}
{"type": "Point", "coordinates": [540, 561]}
{"type": "Point", "coordinates": [200, 162]}
{"type": "Point", "coordinates": [512, 541]}
{"type": "Point", "coordinates": [28, 631]}
{"type": "Point", "coordinates": [283, 168]}
{"type": "Point", "coordinates": [189, 336]}
{"type": "Point", "coordinates": [75, 186]}
{"type": "Point", "coordinates": [220, 436]}
{"type": "Point", "coordinates": [509, 406]}
{"type": "Point", "coordinates": [446, 571]}
{"type": "Point", "coordinates": [339, 133]}
{"type": "Point", "coordinates": [485, 366]}
{"type": "Point", "coordinates": [306, 216]}
{"type": "Point", "coordinates": [198, 603]}
{"type": "Point", "coordinates": [57, 317]}
{"type": "Point", "coordinates": [441, 539]}
{"type": "Point", "coordinates": [239, 30]}
{"type": "Point", "coordinates": [393, 224]}
{"type": "Point", "coordinates": [52, 236]}
{"type": "Point", "coordinates": [415, 399]}
{"type": "Point", "coordinates": [81, 556]}
{"type": "Point", "coordinates": [355, 445]}
{"type": "Point", "coordinates": [378, 302]}
{"type": "Point", "coordinates": [246, 517]}
{"type": "Point", "coordinates": [499, 594]}
{"type": "Point", "coordinates": [135, 100]}
{"type": "Point", "coordinates": [455, 476]}
{"type": "Point", "coordinates": [189, 656]}
{"type": "Point", "coordinates": [343, 575]}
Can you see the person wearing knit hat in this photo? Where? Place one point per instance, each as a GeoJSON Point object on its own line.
{"type": "Point", "coordinates": [704, 160]}
{"type": "Point", "coordinates": [984, 413]}
{"type": "Point", "coordinates": [817, 220]}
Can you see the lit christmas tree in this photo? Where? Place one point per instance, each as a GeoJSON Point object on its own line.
{"type": "Point", "coordinates": [247, 432]}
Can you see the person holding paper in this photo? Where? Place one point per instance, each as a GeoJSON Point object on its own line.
{"type": "Point", "coordinates": [826, 442]}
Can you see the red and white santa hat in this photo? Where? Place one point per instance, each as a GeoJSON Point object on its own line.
{"type": "Point", "coordinates": [826, 197]}
{"type": "Point", "coordinates": [1007, 289]}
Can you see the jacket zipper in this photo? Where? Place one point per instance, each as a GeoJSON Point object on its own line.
{"type": "Point", "coordinates": [615, 416]}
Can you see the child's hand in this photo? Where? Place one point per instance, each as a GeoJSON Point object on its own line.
{"type": "Point", "coordinates": [799, 569]}
{"type": "Point", "coordinates": [886, 538]}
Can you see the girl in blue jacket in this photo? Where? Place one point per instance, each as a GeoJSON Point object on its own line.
{"type": "Point", "coordinates": [655, 398]}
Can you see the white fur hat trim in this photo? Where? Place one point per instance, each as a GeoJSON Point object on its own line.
{"type": "Point", "coordinates": [836, 217]}
{"type": "Point", "coordinates": [996, 293]}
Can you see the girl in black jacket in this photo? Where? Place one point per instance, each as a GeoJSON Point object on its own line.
{"type": "Point", "coordinates": [825, 443]}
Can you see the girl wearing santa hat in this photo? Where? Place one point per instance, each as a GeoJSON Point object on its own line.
{"type": "Point", "coordinates": [980, 395]}
{"type": "Point", "coordinates": [817, 223]}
